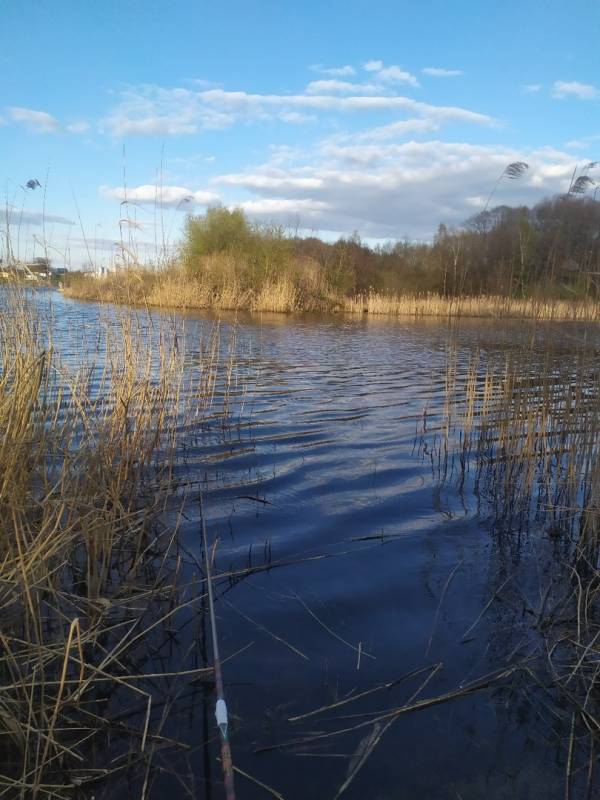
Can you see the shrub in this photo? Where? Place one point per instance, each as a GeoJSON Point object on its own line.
{"type": "Point", "coordinates": [222, 245]}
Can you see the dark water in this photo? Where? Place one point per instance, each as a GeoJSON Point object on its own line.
{"type": "Point", "coordinates": [374, 572]}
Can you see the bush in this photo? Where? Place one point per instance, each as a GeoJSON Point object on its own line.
{"type": "Point", "coordinates": [218, 231]}
{"type": "Point", "coordinates": [222, 246]}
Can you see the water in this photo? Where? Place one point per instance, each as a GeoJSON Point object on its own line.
{"type": "Point", "coordinates": [374, 571]}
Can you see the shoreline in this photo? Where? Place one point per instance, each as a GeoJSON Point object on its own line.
{"type": "Point", "coordinates": [176, 292]}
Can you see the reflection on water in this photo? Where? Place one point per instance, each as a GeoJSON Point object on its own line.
{"type": "Point", "coordinates": [365, 569]}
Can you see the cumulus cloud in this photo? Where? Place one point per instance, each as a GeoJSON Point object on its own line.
{"type": "Point", "coordinates": [582, 91]}
{"type": "Point", "coordinates": [386, 190]}
{"type": "Point", "coordinates": [335, 72]}
{"type": "Point", "coordinates": [441, 72]}
{"type": "Point", "coordinates": [532, 88]}
{"type": "Point", "coordinates": [34, 121]}
{"type": "Point", "coordinates": [373, 66]}
{"type": "Point", "coordinates": [167, 196]}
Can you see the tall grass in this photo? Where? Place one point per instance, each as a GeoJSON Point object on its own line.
{"type": "Point", "coordinates": [219, 287]}
{"type": "Point", "coordinates": [520, 432]}
{"type": "Point", "coordinates": [88, 573]}
{"type": "Point", "coordinates": [303, 288]}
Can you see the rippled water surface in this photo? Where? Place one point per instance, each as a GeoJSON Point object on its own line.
{"type": "Point", "coordinates": [322, 476]}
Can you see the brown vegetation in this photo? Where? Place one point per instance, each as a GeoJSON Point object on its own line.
{"type": "Point", "coordinates": [542, 262]}
{"type": "Point", "coordinates": [88, 575]}
{"type": "Point", "coordinates": [174, 288]}
{"type": "Point", "coordinates": [521, 432]}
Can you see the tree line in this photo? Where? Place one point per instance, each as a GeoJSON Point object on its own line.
{"type": "Point", "coordinates": [551, 249]}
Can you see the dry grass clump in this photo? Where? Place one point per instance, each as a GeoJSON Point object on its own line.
{"type": "Point", "coordinates": [87, 572]}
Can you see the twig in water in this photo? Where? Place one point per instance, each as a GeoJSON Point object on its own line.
{"type": "Point", "coordinates": [485, 608]}
{"type": "Point", "coordinates": [442, 596]}
{"type": "Point", "coordinates": [266, 630]}
{"type": "Point", "coordinates": [354, 697]}
{"type": "Point", "coordinates": [333, 633]}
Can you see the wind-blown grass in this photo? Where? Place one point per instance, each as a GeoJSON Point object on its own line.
{"type": "Point", "coordinates": [521, 433]}
{"type": "Point", "coordinates": [88, 574]}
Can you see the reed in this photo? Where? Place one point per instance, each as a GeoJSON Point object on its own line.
{"type": "Point", "coordinates": [305, 289]}
{"type": "Point", "coordinates": [520, 431]}
{"type": "Point", "coordinates": [495, 306]}
{"type": "Point", "coordinates": [89, 574]}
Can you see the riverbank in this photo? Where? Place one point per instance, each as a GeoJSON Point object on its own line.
{"type": "Point", "coordinates": [175, 288]}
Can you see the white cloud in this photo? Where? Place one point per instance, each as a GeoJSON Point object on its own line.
{"type": "Point", "coordinates": [394, 130]}
{"type": "Point", "coordinates": [585, 141]}
{"type": "Point", "coordinates": [394, 74]}
{"type": "Point", "coordinates": [391, 74]}
{"type": "Point", "coordinates": [335, 72]}
{"type": "Point", "coordinates": [152, 126]}
{"type": "Point", "coordinates": [583, 91]}
{"type": "Point", "coordinates": [441, 72]}
{"type": "Point", "coordinates": [35, 121]}
{"type": "Point", "coordinates": [532, 88]}
{"type": "Point", "coordinates": [274, 207]}
{"type": "Point", "coordinates": [341, 87]}
{"type": "Point", "coordinates": [386, 190]}
{"type": "Point", "coordinates": [296, 117]}
{"type": "Point", "coordinates": [153, 110]}
{"type": "Point", "coordinates": [78, 127]}
{"type": "Point", "coordinates": [275, 181]}
{"type": "Point", "coordinates": [150, 110]}
{"type": "Point", "coordinates": [167, 196]}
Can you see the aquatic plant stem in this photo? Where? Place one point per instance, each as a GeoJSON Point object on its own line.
{"type": "Point", "coordinates": [221, 706]}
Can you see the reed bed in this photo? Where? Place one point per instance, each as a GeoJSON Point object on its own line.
{"type": "Point", "coordinates": [89, 574]}
{"type": "Point", "coordinates": [521, 433]}
{"type": "Point", "coordinates": [295, 292]}
{"type": "Point", "coordinates": [497, 306]}
{"type": "Point", "coordinates": [174, 288]}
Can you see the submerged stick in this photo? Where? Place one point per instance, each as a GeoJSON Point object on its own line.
{"type": "Point", "coordinates": [221, 706]}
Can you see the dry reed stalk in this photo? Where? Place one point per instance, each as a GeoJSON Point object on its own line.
{"type": "Point", "coordinates": [523, 429]}
{"type": "Point", "coordinates": [87, 571]}
{"type": "Point", "coordinates": [303, 291]}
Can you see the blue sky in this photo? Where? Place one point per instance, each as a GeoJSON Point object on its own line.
{"type": "Point", "coordinates": [383, 118]}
